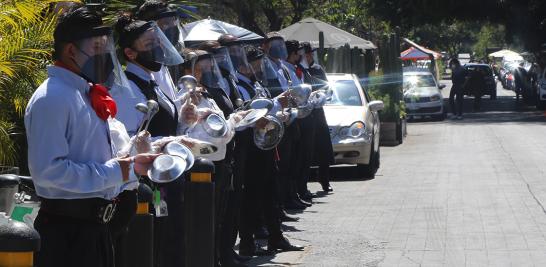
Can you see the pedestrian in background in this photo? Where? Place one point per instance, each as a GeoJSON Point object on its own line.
{"type": "Point", "coordinates": [456, 95]}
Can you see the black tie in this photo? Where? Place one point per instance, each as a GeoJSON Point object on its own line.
{"type": "Point", "coordinates": [149, 92]}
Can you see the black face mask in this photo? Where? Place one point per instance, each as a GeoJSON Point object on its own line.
{"type": "Point", "coordinates": [208, 79]}
{"type": "Point", "coordinates": [173, 34]}
{"type": "Point", "coordinates": [277, 52]}
{"type": "Point", "coordinates": [235, 61]}
{"type": "Point", "coordinates": [151, 59]}
{"type": "Point", "coordinates": [98, 68]}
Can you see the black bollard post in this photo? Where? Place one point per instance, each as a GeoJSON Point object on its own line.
{"type": "Point", "coordinates": [18, 242]}
{"type": "Point", "coordinates": [139, 248]}
{"type": "Point", "coordinates": [199, 217]}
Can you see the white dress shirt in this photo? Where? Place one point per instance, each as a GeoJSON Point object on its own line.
{"type": "Point", "coordinates": [127, 113]}
{"type": "Point", "coordinates": [69, 151]}
{"type": "Point", "coordinates": [166, 83]}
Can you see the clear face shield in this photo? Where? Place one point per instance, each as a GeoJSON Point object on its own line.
{"type": "Point", "coordinates": [312, 58]}
{"type": "Point", "coordinates": [264, 70]}
{"type": "Point", "coordinates": [237, 54]}
{"type": "Point", "coordinates": [277, 49]}
{"type": "Point", "coordinates": [222, 57]}
{"type": "Point", "coordinates": [99, 64]}
{"type": "Point", "coordinates": [208, 73]}
{"type": "Point", "coordinates": [303, 59]}
{"type": "Point", "coordinates": [171, 27]}
{"type": "Point", "coordinates": [152, 45]}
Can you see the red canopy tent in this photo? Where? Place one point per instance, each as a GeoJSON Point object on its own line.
{"type": "Point", "coordinates": [414, 54]}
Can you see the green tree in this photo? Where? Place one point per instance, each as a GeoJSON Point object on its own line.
{"type": "Point", "coordinates": [524, 20]}
{"type": "Point", "coordinates": [489, 36]}
{"type": "Point", "coordinates": [26, 28]}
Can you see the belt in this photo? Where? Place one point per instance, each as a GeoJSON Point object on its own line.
{"type": "Point", "coordinates": [90, 209]}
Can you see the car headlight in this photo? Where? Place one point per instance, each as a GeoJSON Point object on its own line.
{"type": "Point", "coordinates": [356, 130]}
{"type": "Point", "coordinates": [435, 98]}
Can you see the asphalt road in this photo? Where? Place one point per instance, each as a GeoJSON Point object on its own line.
{"type": "Point", "coordinates": [455, 193]}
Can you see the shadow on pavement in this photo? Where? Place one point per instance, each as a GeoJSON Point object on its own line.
{"type": "Point", "coordinates": [340, 173]}
{"type": "Point", "coordinates": [504, 109]}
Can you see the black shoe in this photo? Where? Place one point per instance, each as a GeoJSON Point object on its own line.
{"type": "Point", "coordinates": [326, 187]}
{"type": "Point", "coordinates": [241, 258]}
{"type": "Point", "coordinates": [282, 244]}
{"type": "Point", "coordinates": [294, 205]}
{"type": "Point", "coordinates": [232, 263]}
{"type": "Point", "coordinates": [287, 218]}
{"type": "Point", "coordinates": [307, 204]}
{"type": "Point", "coordinates": [307, 196]}
{"type": "Point", "coordinates": [249, 250]}
{"type": "Point", "coordinates": [261, 233]}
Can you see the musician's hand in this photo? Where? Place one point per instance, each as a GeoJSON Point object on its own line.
{"type": "Point", "coordinates": [203, 113]}
{"type": "Point", "coordinates": [142, 142]}
{"type": "Point", "coordinates": [283, 116]}
{"type": "Point", "coordinates": [261, 123]}
{"type": "Point", "coordinates": [196, 95]}
{"type": "Point", "coordinates": [188, 113]}
{"type": "Point", "coordinates": [187, 141]}
{"type": "Point", "coordinates": [143, 162]}
{"type": "Point", "coordinates": [284, 99]}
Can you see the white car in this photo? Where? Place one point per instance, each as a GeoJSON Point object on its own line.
{"type": "Point", "coordinates": [422, 95]}
{"type": "Point", "coordinates": [354, 124]}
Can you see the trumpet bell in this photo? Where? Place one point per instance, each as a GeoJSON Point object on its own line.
{"type": "Point", "coordinates": [180, 150]}
{"type": "Point", "coordinates": [215, 125]}
{"type": "Point", "coordinates": [270, 135]}
{"type": "Point", "coordinates": [262, 103]}
{"type": "Point", "coordinates": [252, 117]}
{"type": "Point", "coordinates": [166, 168]}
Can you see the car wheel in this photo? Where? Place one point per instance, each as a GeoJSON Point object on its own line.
{"type": "Point", "coordinates": [368, 171]}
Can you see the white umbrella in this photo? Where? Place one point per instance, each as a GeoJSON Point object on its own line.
{"type": "Point", "coordinates": [505, 53]}
{"type": "Point", "coordinates": [210, 29]}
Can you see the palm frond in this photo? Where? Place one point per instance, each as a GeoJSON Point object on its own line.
{"type": "Point", "coordinates": [8, 154]}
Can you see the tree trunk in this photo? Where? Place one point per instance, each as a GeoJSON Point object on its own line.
{"type": "Point", "coordinates": [275, 22]}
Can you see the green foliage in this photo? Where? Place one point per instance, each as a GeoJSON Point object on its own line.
{"type": "Point", "coordinates": [26, 28]}
{"type": "Point", "coordinates": [380, 87]}
{"type": "Point", "coordinates": [113, 7]}
{"type": "Point", "coordinates": [489, 36]}
{"type": "Point", "coordinates": [452, 37]}
{"type": "Point", "coordinates": [524, 19]}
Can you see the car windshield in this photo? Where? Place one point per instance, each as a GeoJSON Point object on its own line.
{"type": "Point", "coordinates": [416, 81]}
{"type": "Point", "coordinates": [345, 94]}
{"type": "Point", "coordinates": [487, 69]}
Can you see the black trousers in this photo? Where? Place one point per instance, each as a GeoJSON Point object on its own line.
{"type": "Point", "coordinates": [305, 151]}
{"type": "Point", "coordinates": [259, 195]}
{"type": "Point", "coordinates": [288, 163]}
{"type": "Point", "coordinates": [72, 242]}
{"type": "Point", "coordinates": [118, 226]}
{"type": "Point", "coordinates": [231, 220]}
{"type": "Point", "coordinates": [222, 185]}
{"type": "Point", "coordinates": [169, 247]}
{"type": "Point", "coordinates": [456, 96]}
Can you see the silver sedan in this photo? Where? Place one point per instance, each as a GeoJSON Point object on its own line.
{"type": "Point", "coordinates": [354, 123]}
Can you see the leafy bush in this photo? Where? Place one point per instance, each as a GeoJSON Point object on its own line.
{"type": "Point", "coordinates": [381, 87]}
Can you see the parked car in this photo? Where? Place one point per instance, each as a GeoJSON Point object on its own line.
{"type": "Point", "coordinates": [354, 124]}
{"type": "Point", "coordinates": [422, 95]}
{"type": "Point", "coordinates": [490, 83]}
